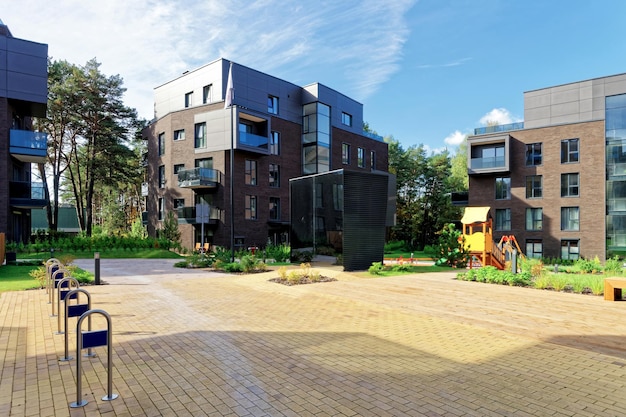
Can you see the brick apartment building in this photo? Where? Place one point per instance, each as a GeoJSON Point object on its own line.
{"type": "Point", "coordinates": [279, 131]}
{"type": "Point", "coordinates": [23, 95]}
{"type": "Point", "coordinates": [557, 181]}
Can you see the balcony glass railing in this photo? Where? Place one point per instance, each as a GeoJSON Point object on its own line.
{"type": "Point", "coordinates": [198, 177]}
{"type": "Point", "coordinates": [486, 163]}
{"type": "Point", "coordinates": [188, 214]}
{"type": "Point", "coordinates": [255, 141]}
{"type": "Point", "coordinates": [29, 140]}
{"type": "Point", "coordinates": [498, 128]}
{"type": "Point", "coordinates": [373, 136]}
{"type": "Point", "coordinates": [26, 190]}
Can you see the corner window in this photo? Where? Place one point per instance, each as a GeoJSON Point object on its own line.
{"type": "Point", "coordinates": [534, 218]}
{"type": "Point", "coordinates": [503, 219]}
{"type": "Point", "coordinates": [346, 119]}
{"type": "Point", "coordinates": [570, 219]}
{"type": "Point", "coordinates": [345, 153]}
{"type": "Point", "coordinates": [534, 188]}
{"type": "Point", "coordinates": [207, 92]}
{"type": "Point", "coordinates": [161, 143]}
{"type": "Point", "coordinates": [250, 172]}
{"type": "Point", "coordinates": [503, 188]}
{"type": "Point", "coordinates": [189, 99]}
{"type": "Point", "coordinates": [250, 207]}
{"type": "Point", "coordinates": [533, 154]}
{"type": "Point", "coordinates": [179, 134]}
{"type": "Point", "coordinates": [360, 157]}
{"type": "Point", "coordinates": [272, 104]}
{"type": "Point", "coordinates": [569, 151]}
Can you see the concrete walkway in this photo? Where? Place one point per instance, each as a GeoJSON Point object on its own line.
{"type": "Point", "coordinates": [199, 343]}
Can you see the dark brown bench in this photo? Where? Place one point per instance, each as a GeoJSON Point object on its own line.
{"type": "Point", "coordinates": [613, 288]}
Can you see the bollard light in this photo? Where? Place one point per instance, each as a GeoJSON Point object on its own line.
{"type": "Point", "coordinates": [96, 256]}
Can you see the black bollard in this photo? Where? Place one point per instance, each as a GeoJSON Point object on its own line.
{"type": "Point", "coordinates": [97, 267]}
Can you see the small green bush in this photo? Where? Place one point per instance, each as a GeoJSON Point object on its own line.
{"type": "Point", "coordinates": [613, 266]}
{"type": "Point", "coordinates": [377, 268]}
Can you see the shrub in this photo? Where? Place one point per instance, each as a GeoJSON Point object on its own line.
{"type": "Point", "coordinates": [279, 253]}
{"type": "Point", "coordinates": [40, 275]}
{"type": "Point", "coordinates": [613, 266]}
{"type": "Point", "coordinates": [301, 256]}
{"type": "Point", "coordinates": [377, 268]}
{"type": "Point", "coordinates": [232, 267]}
{"type": "Point", "coordinates": [395, 246]}
{"type": "Point", "coordinates": [450, 251]}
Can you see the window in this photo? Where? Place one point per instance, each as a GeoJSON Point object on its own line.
{"type": "Point", "coordinates": [200, 136]}
{"type": "Point", "coordinates": [189, 99]}
{"type": "Point", "coordinates": [338, 197]}
{"type": "Point", "coordinates": [319, 196]}
{"type": "Point", "coordinates": [503, 188]}
{"type": "Point", "coordinates": [373, 160]}
{"type": "Point", "coordinates": [161, 208]}
{"type": "Point", "coordinates": [207, 92]}
{"type": "Point", "coordinates": [346, 119]}
{"type": "Point", "coordinates": [179, 203]}
{"type": "Point", "coordinates": [161, 143]}
{"type": "Point", "coordinates": [250, 173]}
{"type": "Point", "coordinates": [533, 154]}
{"type": "Point", "coordinates": [179, 134]}
{"type": "Point", "coordinates": [272, 104]}
{"type": "Point", "coordinates": [503, 219]}
{"type": "Point", "coordinates": [178, 167]}
{"type": "Point", "coordinates": [569, 151]}
{"type": "Point", "coordinates": [570, 249]}
{"type": "Point", "coordinates": [162, 176]}
{"type": "Point", "coordinates": [533, 186]}
{"type": "Point", "coordinates": [250, 209]}
{"type": "Point", "coordinates": [275, 143]}
{"type": "Point", "coordinates": [274, 208]}
{"type": "Point", "coordinates": [534, 248]}
{"type": "Point", "coordinates": [274, 175]}
{"type": "Point", "coordinates": [360, 157]}
{"type": "Point", "coordinates": [488, 156]}
{"type": "Point", "coordinates": [203, 163]}
{"type": "Point", "coordinates": [570, 218]}
{"type": "Point", "coordinates": [534, 218]}
{"type": "Point", "coordinates": [345, 153]}
{"type": "Point", "coordinates": [569, 185]}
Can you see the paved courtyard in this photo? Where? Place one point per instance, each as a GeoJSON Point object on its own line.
{"type": "Point", "coordinates": [199, 343]}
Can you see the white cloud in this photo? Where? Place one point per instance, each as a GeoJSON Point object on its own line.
{"type": "Point", "coordinates": [500, 116]}
{"type": "Point", "coordinates": [354, 46]}
{"type": "Point", "coordinates": [455, 138]}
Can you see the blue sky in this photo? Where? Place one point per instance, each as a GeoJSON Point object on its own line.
{"type": "Point", "coordinates": [427, 71]}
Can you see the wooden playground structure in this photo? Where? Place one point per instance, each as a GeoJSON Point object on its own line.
{"type": "Point", "coordinates": [478, 240]}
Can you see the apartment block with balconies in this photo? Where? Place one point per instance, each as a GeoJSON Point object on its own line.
{"type": "Point", "coordinates": [23, 96]}
{"type": "Point", "coordinates": [557, 181]}
{"type": "Point", "coordinates": [277, 130]}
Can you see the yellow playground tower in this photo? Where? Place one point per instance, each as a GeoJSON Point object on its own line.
{"type": "Point", "coordinates": [478, 240]}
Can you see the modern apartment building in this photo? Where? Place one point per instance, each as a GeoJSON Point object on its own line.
{"type": "Point", "coordinates": [277, 130]}
{"type": "Point", "coordinates": [23, 96]}
{"type": "Point", "coordinates": [557, 181]}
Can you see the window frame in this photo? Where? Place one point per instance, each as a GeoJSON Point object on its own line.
{"type": "Point", "coordinates": [272, 104]}
{"type": "Point", "coordinates": [199, 142]}
{"type": "Point", "coordinates": [177, 168]}
{"type": "Point", "coordinates": [567, 186]}
{"type": "Point", "coordinates": [534, 186]}
{"type": "Point", "coordinates": [161, 176]}
{"type": "Point", "coordinates": [188, 99]}
{"type": "Point", "coordinates": [532, 223]}
{"type": "Point", "coordinates": [274, 175]}
{"type": "Point", "coordinates": [178, 136]}
{"type": "Point", "coordinates": [567, 243]}
{"type": "Point", "coordinates": [250, 207]}
{"type": "Point", "coordinates": [360, 157]}
{"type": "Point", "coordinates": [533, 253]}
{"type": "Point", "coordinates": [570, 219]}
{"type": "Point", "coordinates": [274, 145]}
{"type": "Point", "coordinates": [567, 153]}
{"type": "Point", "coordinates": [161, 143]}
{"type": "Point", "coordinates": [501, 224]}
{"type": "Point", "coordinates": [275, 203]}
{"type": "Point", "coordinates": [207, 94]}
{"type": "Point", "coordinates": [345, 153]}
{"type": "Point", "coordinates": [532, 154]}
{"type": "Point", "coordinates": [507, 189]}
{"type": "Point", "coordinates": [251, 172]}
{"type": "Point", "coordinates": [176, 201]}
{"type": "Point", "coordinates": [346, 119]}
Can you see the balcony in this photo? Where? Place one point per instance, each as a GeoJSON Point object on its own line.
{"type": "Point", "coordinates": [188, 215]}
{"type": "Point", "coordinates": [488, 155]}
{"type": "Point", "coordinates": [254, 141]}
{"type": "Point", "coordinates": [144, 189]}
{"type": "Point", "coordinates": [27, 195]}
{"type": "Point", "coordinates": [498, 128]}
{"type": "Point", "coordinates": [199, 178]}
{"type": "Point", "coordinates": [28, 146]}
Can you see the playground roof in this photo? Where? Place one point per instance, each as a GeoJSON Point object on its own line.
{"type": "Point", "coordinates": [475, 215]}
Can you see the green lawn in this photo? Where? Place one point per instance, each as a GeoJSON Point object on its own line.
{"type": "Point", "coordinates": [16, 278]}
{"type": "Point", "coordinates": [106, 254]}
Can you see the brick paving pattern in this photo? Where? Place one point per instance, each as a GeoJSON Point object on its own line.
{"type": "Point", "coordinates": [200, 343]}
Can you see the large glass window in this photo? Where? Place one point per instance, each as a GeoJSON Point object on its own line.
{"type": "Point", "coordinates": [534, 248]}
{"type": "Point", "coordinates": [488, 156]}
{"type": "Point", "coordinates": [503, 219]}
{"type": "Point", "coordinates": [250, 172]}
{"type": "Point", "coordinates": [250, 207]}
{"type": "Point", "coordinates": [203, 163]}
{"type": "Point", "coordinates": [534, 187]}
{"type": "Point", "coordinates": [534, 218]}
{"type": "Point", "coordinates": [570, 249]}
{"type": "Point", "coordinates": [570, 219]}
{"type": "Point", "coordinates": [569, 151]}
{"type": "Point", "coordinates": [315, 138]}
{"type": "Point", "coordinates": [533, 154]}
{"type": "Point", "coordinates": [503, 188]}
{"type": "Point", "coordinates": [569, 185]}
{"type": "Point", "coordinates": [200, 135]}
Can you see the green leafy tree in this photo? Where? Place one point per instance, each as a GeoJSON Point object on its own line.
{"type": "Point", "coordinates": [170, 228]}
{"type": "Point", "coordinates": [450, 249]}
